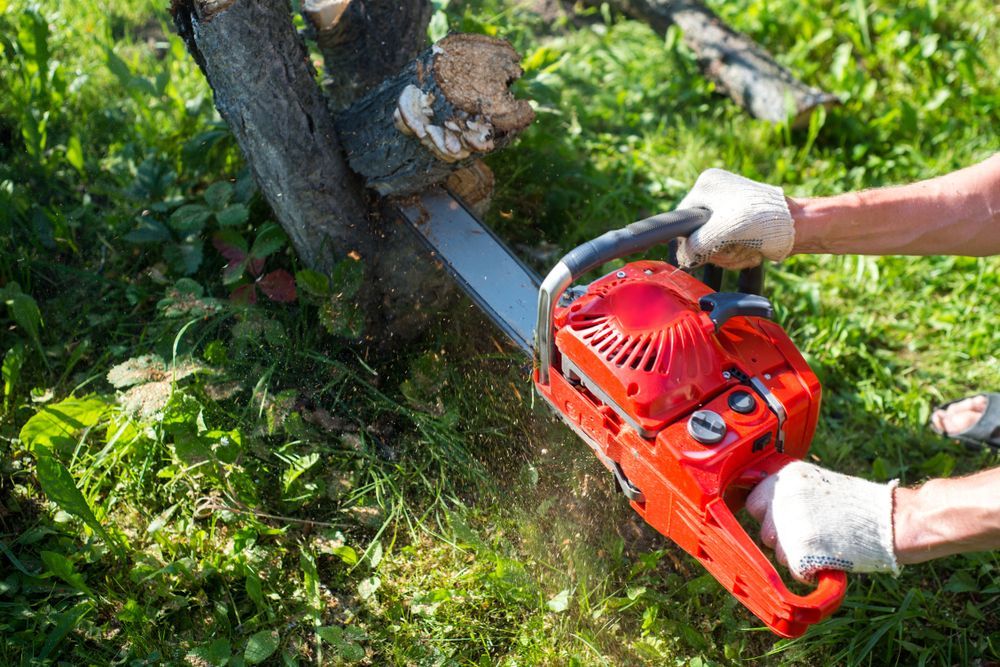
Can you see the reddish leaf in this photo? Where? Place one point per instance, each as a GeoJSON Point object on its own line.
{"type": "Point", "coordinates": [233, 271]}
{"type": "Point", "coordinates": [278, 285]}
{"type": "Point", "coordinates": [256, 266]}
{"type": "Point", "coordinates": [230, 245]}
{"type": "Point", "coordinates": [244, 294]}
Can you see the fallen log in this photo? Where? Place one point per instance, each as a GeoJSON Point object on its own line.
{"type": "Point", "coordinates": [740, 67]}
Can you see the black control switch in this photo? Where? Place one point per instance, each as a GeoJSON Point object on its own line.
{"type": "Point", "coordinates": [742, 402]}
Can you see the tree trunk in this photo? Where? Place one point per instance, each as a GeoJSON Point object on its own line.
{"type": "Point", "coordinates": [448, 106]}
{"type": "Point", "coordinates": [265, 90]}
{"type": "Point", "coordinates": [738, 65]}
{"type": "Point", "coordinates": [365, 41]}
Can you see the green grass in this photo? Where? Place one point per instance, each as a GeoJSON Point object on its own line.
{"type": "Point", "coordinates": [263, 490]}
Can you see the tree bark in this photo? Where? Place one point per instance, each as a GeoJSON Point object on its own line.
{"type": "Point", "coordinates": [448, 106]}
{"type": "Point", "coordinates": [265, 90]}
{"type": "Point", "coordinates": [738, 65]}
{"type": "Point", "coordinates": [365, 41]}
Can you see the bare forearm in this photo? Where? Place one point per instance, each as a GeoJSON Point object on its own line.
{"type": "Point", "coordinates": [947, 516]}
{"type": "Point", "coordinates": [954, 214]}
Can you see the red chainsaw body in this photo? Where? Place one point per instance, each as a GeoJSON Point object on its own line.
{"type": "Point", "coordinates": [635, 357]}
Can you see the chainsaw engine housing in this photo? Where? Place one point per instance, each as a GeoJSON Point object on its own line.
{"type": "Point", "coordinates": [681, 409]}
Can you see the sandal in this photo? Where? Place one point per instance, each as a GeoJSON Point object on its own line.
{"type": "Point", "coordinates": [986, 431]}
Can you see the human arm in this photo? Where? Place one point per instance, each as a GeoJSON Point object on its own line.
{"type": "Point", "coordinates": [817, 519]}
{"type": "Point", "coordinates": [958, 213]}
{"type": "Point", "coordinates": [954, 214]}
{"type": "Point", "coordinates": [949, 516]}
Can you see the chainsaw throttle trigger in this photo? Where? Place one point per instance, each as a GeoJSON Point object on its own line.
{"type": "Point", "coordinates": [721, 306]}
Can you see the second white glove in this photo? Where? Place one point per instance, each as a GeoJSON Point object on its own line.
{"type": "Point", "coordinates": [816, 519]}
{"type": "Point", "coordinates": [750, 221]}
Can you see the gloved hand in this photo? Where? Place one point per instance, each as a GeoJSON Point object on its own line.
{"type": "Point", "coordinates": [750, 221]}
{"type": "Point", "coordinates": [815, 519]}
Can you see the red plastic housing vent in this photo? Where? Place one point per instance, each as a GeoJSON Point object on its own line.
{"type": "Point", "coordinates": [644, 341]}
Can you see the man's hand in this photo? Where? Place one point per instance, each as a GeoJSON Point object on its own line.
{"type": "Point", "coordinates": [816, 520]}
{"type": "Point", "coordinates": [750, 221]}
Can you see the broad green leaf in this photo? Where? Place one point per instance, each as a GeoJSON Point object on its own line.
{"type": "Point", "coordinates": [74, 152]}
{"type": "Point", "coordinates": [184, 258]}
{"type": "Point", "coordinates": [217, 195]}
{"type": "Point", "coordinates": [255, 590]}
{"type": "Point", "coordinates": [149, 230]}
{"type": "Point", "coordinates": [344, 640]}
{"type": "Point", "coordinates": [299, 465]}
{"type": "Point", "coordinates": [560, 602]}
{"type": "Point", "coordinates": [216, 653]}
{"type": "Point", "coordinates": [347, 277]}
{"type": "Point", "coordinates": [346, 554]}
{"type": "Point", "coordinates": [59, 486]}
{"type": "Point", "coordinates": [56, 426]}
{"type": "Point", "coordinates": [189, 218]}
{"type": "Point", "coordinates": [313, 283]}
{"type": "Point", "coordinates": [235, 214]}
{"type": "Point", "coordinates": [62, 626]}
{"type": "Point", "coordinates": [153, 179]}
{"type": "Point", "coordinates": [260, 646]}
{"type": "Point", "coordinates": [269, 239]}
{"type": "Point", "coordinates": [24, 311]}
{"type": "Point", "coordinates": [63, 568]}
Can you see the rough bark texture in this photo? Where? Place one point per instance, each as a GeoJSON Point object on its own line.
{"type": "Point", "coordinates": [448, 106]}
{"type": "Point", "coordinates": [365, 41]}
{"type": "Point", "coordinates": [264, 89]}
{"type": "Point", "coordinates": [738, 65]}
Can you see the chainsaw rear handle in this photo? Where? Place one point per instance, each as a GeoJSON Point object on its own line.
{"type": "Point", "coordinates": [637, 237]}
{"type": "Point", "coordinates": [758, 585]}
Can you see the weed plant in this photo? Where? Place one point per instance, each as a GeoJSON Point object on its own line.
{"type": "Point", "coordinates": [203, 462]}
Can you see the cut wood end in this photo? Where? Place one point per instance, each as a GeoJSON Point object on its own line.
{"type": "Point", "coordinates": [474, 184]}
{"type": "Point", "coordinates": [806, 106]}
{"type": "Point", "coordinates": [475, 73]}
{"type": "Point", "coordinates": [324, 14]}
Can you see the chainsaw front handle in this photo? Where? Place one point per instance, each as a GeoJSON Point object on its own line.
{"type": "Point", "coordinates": [734, 558]}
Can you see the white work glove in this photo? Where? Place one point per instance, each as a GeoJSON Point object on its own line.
{"type": "Point", "coordinates": [815, 519]}
{"type": "Point", "coordinates": [749, 221]}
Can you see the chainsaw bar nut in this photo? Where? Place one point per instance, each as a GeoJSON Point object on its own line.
{"type": "Point", "coordinates": [707, 427]}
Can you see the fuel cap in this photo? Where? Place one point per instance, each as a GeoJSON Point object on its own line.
{"type": "Point", "coordinates": [707, 427]}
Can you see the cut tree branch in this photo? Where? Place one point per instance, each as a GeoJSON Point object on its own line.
{"type": "Point", "coordinates": [739, 66]}
{"type": "Point", "coordinates": [448, 106]}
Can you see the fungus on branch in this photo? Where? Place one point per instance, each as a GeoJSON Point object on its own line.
{"type": "Point", "coordinates": [449, 105]}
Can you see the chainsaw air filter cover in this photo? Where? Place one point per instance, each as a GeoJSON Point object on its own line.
{"type": "Point", "coordinates": [639, 340]}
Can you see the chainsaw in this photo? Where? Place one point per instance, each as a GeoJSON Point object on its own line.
{"type": "Point", "coordinates": [689, 396]}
